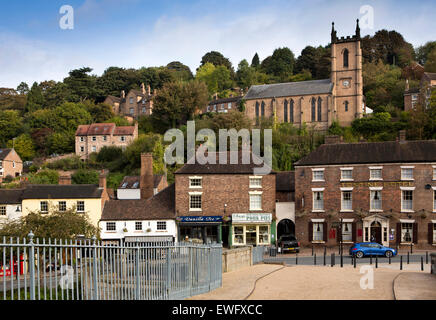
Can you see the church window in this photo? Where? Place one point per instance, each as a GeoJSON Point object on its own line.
{"type": "Point", "coordinates": [262, 109]}
{"type": "Point", "coordinates": [319, 108]}
{"type": "Point", "coordinates": [346, 106]}
{"type": "Point", "coordinates": [291, 111]}
{"type": "Point", "coordinates": [346, 58]}
{"type": "Point", "coordinates": [286, 111]}
{"type": "Point", "coordinates": [313, 109]}
{"type": "Point", "coordinates": [257, 112]}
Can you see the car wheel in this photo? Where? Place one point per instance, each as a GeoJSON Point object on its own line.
{"type": "Point", "coordinates": [359, 254]}
{"type": "Point", "coordinates": [388, 254]}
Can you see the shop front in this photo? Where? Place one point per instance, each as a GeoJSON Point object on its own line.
{"type": "Point", "coordinates": [254, 229]}
{"type": "Point", "coordinates": [200, 229]}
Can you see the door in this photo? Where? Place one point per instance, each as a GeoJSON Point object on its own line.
{"type": "Point", "coordinates": [251, 235]}
{"type": "Point", "coordinates": [376, 232]}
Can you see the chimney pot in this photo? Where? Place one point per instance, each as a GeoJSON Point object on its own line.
{"type": "Point", "coordinates": [65, 179]}
{"type": "Point", "coordinates": [102, 180]}
{"type": "Point", "coordinates": [147, 178]}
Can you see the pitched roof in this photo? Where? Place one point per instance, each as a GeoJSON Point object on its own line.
{"type": "Point", "coordinates": [10, 196]}
{"type": "Point", "coordinates": [372, 152]}
{"type": "Point", "coordinates": [289, 89]}
{"type": "Point", "coordinates": [160, 206]}
{"type": "Point", "coordinates": [74, 191]}
{"type": "Point", "coordinates": [430, 75]}
{"type": "Point", "coordinates": [113, 98]}
{"type": "Point", "coordinates": [134, 181]}
{"type": "Point", "coordinates": [218, 168]}
{"type": "Point", "coordinates": [411, 90]}
{"type": "Point", "coordinates": [4, 153]}
{"type": "Point", "coordinates": [285, 181]}
{"type": "Point", "coordinates": [124, 131]}
{"type": "Point", "coordinates": [225, 100]}
{"type": "Point", "coordinates": [95, 129]}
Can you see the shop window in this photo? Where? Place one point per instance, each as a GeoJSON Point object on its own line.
{"type": "Point", "coordinates": [238, 235]}
{"type": "Point", "coordinates": [376, 200]}
{"type": "Point", "coordinates": [263, 234]}
{"type": "Point", "coordinates": [406, 173]}
{"type": "Point", "coordinates": [318, 200]}
{"type": "Point", "coordinates": [111, 226]}
{"type": "Point", "coordinates": [318, 231]}
{"type": "Point", "coordinates": [406, 232]}
{"type": "Point", "coordinates": [347, 231]}
{"type": "Point", "coordinates": [80, 206]}
{"type": "Point", "coordinates": [138, 226]}
{"type": "Point", "coordinates": [161, 225]}
{"type": "Point", "coordinates": [255, 202]}
{"type": "Point", "coordinates": [62, 206]}
{"type": "Point", "coordinates": [407, 200]}
{"type": "Point", "coordinates": [250, 235]}
{"type": "Point", "coordinates": [347, 201]}
{"type": "Point", "coordinates": [44, 206]}
{"type": "Point", "coordinates": [195, 202]}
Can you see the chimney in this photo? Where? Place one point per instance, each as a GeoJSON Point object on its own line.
{"type": "Point", "coordinates": [402, 135]}
{"type": "Point", "coordinates": [147, 179]}
{"type": "Point", "coordinates": [332, 139]}
{"type": "Point", "coordinates": [407, 85]}
{"type": "Point", "coordinates": [149, 90]}
{"type": "Point", "coordinates": [65, 179]}
{"type": "Point", "coordinates": [143, 88]}
{"type": "Point", "coordinates": [102, 180]}
{"type": "Point", "coordinates": [123, 94]}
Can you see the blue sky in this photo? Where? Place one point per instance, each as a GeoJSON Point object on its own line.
{"type": "Point", "coordinates": [136, 33]}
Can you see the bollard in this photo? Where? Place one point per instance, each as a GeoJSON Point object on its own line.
{"type": "Point", "coordinates": [401, 262]}
{"type": "Point", "coordinates": [312, 250]}
{"type": "Point", "coordinates": [296, 259]}
{"type": "Point", "coordinates": [332, 259]}
{"type": "Point", "coordinates": [354, 258]}
{"type": "Point", "coordinates": [324, 257]}
{"type": "Point", "coordinates": [407, 257]}
{"type": "Point", "coordinates": [325, 250]}
{"type": "Point", "coordinates": [376, 262]}
{"type": "Point", "coordinates": [422, 263]}
{"type": "Point", "coordinates": [426, 257]}
{"type": "Point", "coordinates": [342, 260]}
{"type": "Point", "coordinates": [411, 248]}
{"type": "Point", "coordinates": [389, 259]}
{"type": "Point", "coordinates": [314, 259]}
{"type": "Point", "coordinates": [370, 259]}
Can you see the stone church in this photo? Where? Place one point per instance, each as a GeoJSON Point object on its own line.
{"type": "Point", "coordinates": [316, 103]}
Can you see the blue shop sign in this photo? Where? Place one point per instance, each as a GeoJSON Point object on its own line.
{"type": "Point", "coordinates": [201, 219]}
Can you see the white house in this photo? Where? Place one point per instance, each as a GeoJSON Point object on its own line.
{"type": "Point", "coordinates": [129, 188]}
{"type": "Point", "coordinates": [10, 204]}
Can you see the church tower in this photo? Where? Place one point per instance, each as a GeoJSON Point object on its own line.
{"type": "Point", "coordinates": [346, 76]}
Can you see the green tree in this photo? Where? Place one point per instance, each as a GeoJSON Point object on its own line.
{"type": "Point", "coordinates": [255, 62]}
{"type": "Point", "coordinates": [35, 99]}
{"type": "Point", "coordinates": [108, 154]}
{"type": "Point", "coordinates": [181, 72]}
{"type": "Point", "coordinates": [61, 142]}
{"type": "Point", "coordinates": [217, 78]}
{"type": "Point", "coordinates": [81, 85]}
{"type": "Point", "coordinates": [280, 64]}
{"type": "Point", "coordinates": [10, 125]}
{"type": "Point", "coordinates": [44, 177]}
{"type": "Point", "coordinates": [423, 51]}
{"type": "Point", "coordinates": [115, 79]}
{"type": "Point", "coordinates": [24, 146]}
{"type": "Point", "coordinates": [430, 64]}
{"type": "Point", "coordinates": [84, 176]}
{"type": "Point", "coordinates": [100, 112]}
{"type": "Point", "coordinates": [217, 59]}
{"type": "Point", "coordinates": [23, 88]}
{"type": "Point", "coordinates": [145, 143]}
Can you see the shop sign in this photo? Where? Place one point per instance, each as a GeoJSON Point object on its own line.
{"type": "Point", "coordinates": [252, 217]}
{"type": "Point", "coordinates": [201, 219]}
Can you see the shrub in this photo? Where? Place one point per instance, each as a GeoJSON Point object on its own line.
{"type": "Point", "coordinates": [84, 176]}
{"type": "Point", "coordinates": [109, 154]}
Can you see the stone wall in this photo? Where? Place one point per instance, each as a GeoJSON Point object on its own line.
{"type": "Point", "coordinates": [236, 259]}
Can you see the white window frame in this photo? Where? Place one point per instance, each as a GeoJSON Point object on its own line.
{"type": "Point", "coordinates": [94, 148]}
{"type": "Point", "coordinates": [318, 170]}
{"type": "Point", "coordinates": [402, 198]}
{"type": "Point", "coordinates": [348, 233]}
{"type": "Point", "coordinates": [59, 204]}
{"type": "Point", "coordinates": [315, 190]}
{"type": "Point", "coordinates": [82, 139]}
{"type": "Point", "coordinates": [123, 139]}
{"type": "Point", "coordinates": [113, 226]}
{"type": "Point", "coordinates": [161, 226]}
{"type": "Point", "coordinates": [375, 189]}
{"type": "Point", "coordinates": [342, 176]}
{"type": "Point", "coordinates": [195, 178]}
{"type": "Point", "coordinates": [434, 199]}
{"type": "Point", "coordinates": [3, 211]}
{"type": "Point", "coordinates": [434, 172]}
{"type": "Point", "coordinates": [40, 206]}
{"type": "Point", "coordinates": [371, 170]}
{"type": "Point", "coordinates": [82, 149]}
{"type": "Point", "coordinates": [403, 233]}
{"type": "Point", "coordinates": [191, 194]}
{"type": "Point", "coordinates": [94, 138]}
{"type": "Point", "coordinates": [343, 209]}
{"type": "Point", "coordinates": [257, 194]}
{"type": "Point", "coordinates": [403, 178]}
{"type": "Point", "coordinates": [138, 224]}
{"type": "Point", "coordinates": [257, 178]}
{"type": "Point", "coordinates": [317, 233]}
{"type": "Point", "coordinates": [77, 206]}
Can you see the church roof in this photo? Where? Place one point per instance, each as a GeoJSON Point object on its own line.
{"type": "Point", "coordinates": [289, 89]}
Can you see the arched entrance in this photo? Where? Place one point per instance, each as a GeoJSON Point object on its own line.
{"type": "Point", "coordinates": [285, 226]}
{"type": "Point", "coordinates": [376, 232]}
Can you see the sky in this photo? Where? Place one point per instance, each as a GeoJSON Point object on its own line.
{"type": "Point", "coordinates": [143, 33]}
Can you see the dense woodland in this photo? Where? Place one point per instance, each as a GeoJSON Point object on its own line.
{"type": "Point", "coordinates": [40, 119]}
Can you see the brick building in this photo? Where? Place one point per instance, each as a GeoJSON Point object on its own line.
{"type": "Point", "coordinates": [225, 202]}
{"type": "Point", "coordinates": [422, 93]}
{"type": "Point", "coordinates": [10, 164]}
{"type": "Point", "coordinates": [135, 104]}
{"type": "Point", "coordinates": [318, 102]}
{"type": "Point", "coordinates": [223, 105]}
{"type": "Point", "coordinates": [130, 189]}
{"type": "Point", "coordinates": [91, 138]}
{"type": "Point", "coordinates": [382, 191]}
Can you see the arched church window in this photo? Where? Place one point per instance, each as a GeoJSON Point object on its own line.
{"type": "Point", "coordinates": [346, 53]}
{"type": "Point", "coordinates": [262, 109]}
{"type": "Point", "coordinates": [313, 109]}
{"type": "Point", "coordinates": [346, 106]}
{"type": "Point", "coordinates": [285, 109]}
{"type": "Point", "coordinates": [291, 111]}
{"type": "Point", "coordinates": [257, 109]}
{"type": "Point", "coordinates": [319, 108]}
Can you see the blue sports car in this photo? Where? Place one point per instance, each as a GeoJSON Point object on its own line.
{"type": "Point", "coordinates": [371, 249]}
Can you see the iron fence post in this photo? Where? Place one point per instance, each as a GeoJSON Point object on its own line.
{"type": "Point", "coordinates": [401, 262]}
{"type": "Point", "coordinates": [422, 263]}
{"type": "Point", "coordinates": [31, 266]}
{"type": "Point", "coordinates": [94, 267]}
{"type": "Point", "coordinates": [168, 280]}
{"type": "Point", "coordinates": [138, 283]}
{"type": "Point", "coordinates": [407, 257]}
{"type": "Point", "coordinates": [426, 257]}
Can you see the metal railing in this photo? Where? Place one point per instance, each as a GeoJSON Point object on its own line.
{"type": "Point", "coordinates": [258, 253]}
{"type": "Point", "coordinates": [40, 269]}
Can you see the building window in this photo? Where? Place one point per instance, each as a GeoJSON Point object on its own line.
{"type": "Point", "coordinates": [291, 111]}
{"type": "Point", "coordinates": [238, 235]}
{"type": "Point", "coordinates": [44, 206]}
{"type": "Point", "coordinates": [318, 231]}
{"type": "Point", "coordinates": [347, 231]}
{"type": "Point", "coordinates": [318, 175]}
{"type": "Point", "coordinates": [262, 109]}
{"type": "Point", "coordinates": [62, 206]}
{"type": "Point", "coordinates": [94, 149]}
{"type": "Point", "coordinates": [434, 232]}
{"type": "Point", "coordinates": [111, 226]}
{"type": "Point", "coordinates": [131, 111]}
{"type": "Point", "coordinates": [434, 200]}
{"type": "Point", "coordinates": [94, 139]}
{"type": "Point", "coordinates": [375, 174]}
{"type": "Point", "coordinates": [1, 164]}
{"type": "Point", "coordinates": [263, 234]}
{"type": "Point", "coordinates": [80, 206]}
{"type": "Point", "coordinates": [318, 200]}
{"type": "Point", "coordinates": [195, 182]}
{"type": "Point", "coordinates": [195, 202]}
{"type": "Point", "coordinates": [319, 109]}
{"type": "Point", "coordinates": [376, 200]}
{"type": "Point", "coordinates": [131, 100]}
{"type": "Point", "coordinates": [285, 110]}
{"type": "Point", "coordinates": [407, 200]}
{"type": "Point", "coordinates": [347, 201]}
{"type": "Point", "coordinates": [138, 226]}
{"type": "Point", "coordinates": [82, 149]}
{"type": "Point", "coordinates": [313, 109]}
{"type": "Point", "coordinates": [82, 139]}
{"type": "Point", "coordinates": [346, 106]}
{"type": "Point", "coordinates": [255, 182]}
{"type": "Point", "coordinates": [104, 138]}
{"type": "Point", "coordinates": [434, 172]}
{"type": "Point", "coordinates": [406, 232]}
{"type": "Point", "coordinates": [257, 112]}
{"type": "Point", "coordinates": [144, 109]}
{"type": "Point", "coordinates": [346, 58]}
{"type": "Point", "coordinates": [229, 105]}
{"type": "Point", "coordinates": [161, 225]}
{"type": "Point", "coordinates": [214, 107]}
{"type": "Point", "coordinates": [255, 202]}
{"type": "Point", "coordinates": [123, 139]}
{"type": "Point", "coordinates": [346, 174]}
{"type": "Point", "coordinates": [2, 210]}
{"type": "Point", "coordinates": [406, 173]}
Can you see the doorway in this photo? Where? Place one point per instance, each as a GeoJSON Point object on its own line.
{"type": "Point", "coordinates": [250, 235]}
{"type": "Point", "coordinates": [376, 232]}
{"type": "Point", "coordinates": [285, 227]}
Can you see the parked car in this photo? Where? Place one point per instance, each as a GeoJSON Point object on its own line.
{"type": "Point", "coordinates": [289, 243]}
{"type": "Point", "coordinates": [363, 249]}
